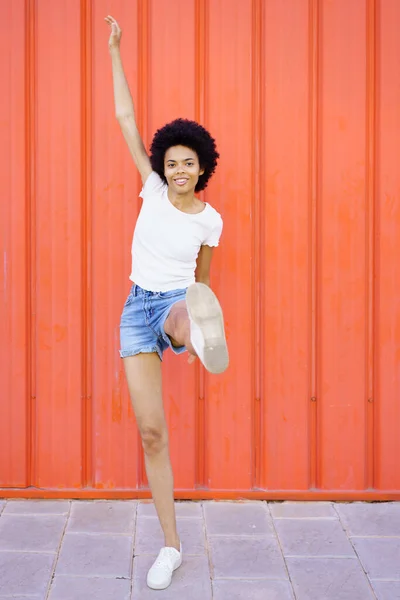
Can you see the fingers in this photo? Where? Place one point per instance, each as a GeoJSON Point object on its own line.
{"type": "Point", "coordinates": [111, 21]}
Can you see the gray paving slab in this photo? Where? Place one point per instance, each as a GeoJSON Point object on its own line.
{"type": "Point", "coordinates": [25, 572]}
{"type": "Point", "coordinates": [191, 581]}
{"type": "Point", "coordinates": [24, 597]}
{"type": "Point", "coordinates": [386, 590]}
{"type": "Point", "coordinates": [231, 546]}
{"type": "Point", "coordinates": [246, 557]}
{"type": "Point", "coordinates": [252, 589]}
{"type": "Point", "coordinates": [328, 579]}
{"type": "Point", "coordinates": [380, 557]}
{"type": "Point", "coordinates": [302, 510]}
{"type": "Point", "coordinates": [311, 537]}
{"type": "Point", "coordinates": [149, 536]}
{"type": "Point", "coordinates": [364, 518]}
{"type": "Point", "coordinates": [90, 555]}
{"type": "Point", "coordinates": [35, 533]}
{"type": "Point", "coordinates": [102, 517]}
{"type": "Point", "coordinates": [86, 588]}
{"type": "Point", "coordinates": [237, 518]}
{"type": "Point", "coordinates": [38, 507]}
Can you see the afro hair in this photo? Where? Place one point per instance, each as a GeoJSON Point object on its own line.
{"type": "Point", "coordinates": [183, 132]}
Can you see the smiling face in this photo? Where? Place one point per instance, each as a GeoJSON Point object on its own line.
{"type": "Point", "coordinates": [182, 169]}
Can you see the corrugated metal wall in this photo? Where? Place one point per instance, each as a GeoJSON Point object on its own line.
{"type": "Point", "coordinates": [303, 97]}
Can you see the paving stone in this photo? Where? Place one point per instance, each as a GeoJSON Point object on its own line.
{"type": "Point", "coordinates": [25, 572]}
{"type": "Point", "coordinates": [24, 597]}
{"type": "Point", "coordinates": [364, 518]}
{"type": "Point", "coordinates": [303, 537]}
{"type": "Point", "coordinates": [95, 555]}
{"type": "Point", "coordinates": [102, 517]}
{"type": "Point", "coordinates": [84, 588]}
{"type": "Point", "coordinates": [252, 589]}
{"type": "Point", "coordinates": [386, 590]}
{"type": "Point", "coordinates": [380, 557]}
{"type": "Point", "coordinates": [302, 510]}
{"type": "Point", "coordinates": [149, 537]}
{"type": "Point", "coordinates": [191, 580]}
{"type": "Point", "coordinates": [182, 509]}
{"type": "Point", "coordinates": [237, 518]}
{"type": "Point", "coordinates": [246, 558]}
{"type": "Point", "coordinates": [328, 579]}
{"type": "Point", "coordinates": [36, 533]}
{"type": "Point", "coordinates": [37, 507]}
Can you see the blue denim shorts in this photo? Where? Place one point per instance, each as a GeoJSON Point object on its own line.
{"type": "Point", "coordinates": [142, 322]}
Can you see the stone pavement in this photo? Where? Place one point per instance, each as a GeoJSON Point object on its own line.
{"type": "Point", "coordinates": [79, 550]}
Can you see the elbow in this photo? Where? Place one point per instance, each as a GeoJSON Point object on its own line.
{"type": "Point", "coordinates": [124, 117]}
{"type": "Point", "coordinates": [205, 280]}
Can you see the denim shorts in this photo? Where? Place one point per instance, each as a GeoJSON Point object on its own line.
{"type": "Point", "coordinates": [142, 322]}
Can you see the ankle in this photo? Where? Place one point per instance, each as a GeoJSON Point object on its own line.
{"type": "Point", "coordinates": [173, 542]}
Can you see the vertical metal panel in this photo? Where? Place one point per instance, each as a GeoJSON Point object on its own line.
{"type": "Point", "coordinates": [285, 144]}
{"type": "Point", "coordinates": [387, 341]}
{"type": "Point", "coordinates": [58, 280]}
{"type": "Point", "coordinates": [14, 233]}
{"type": "Point", "coordinates": [114, 207]}
{"type": "Point", "coordinates": [303, 100]}
{"type": "Point", "coordinates": [228, 115]}
{"type": "Point", "coordinates": [341, 395]}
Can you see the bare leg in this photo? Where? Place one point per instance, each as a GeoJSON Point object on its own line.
{"type": "Point", "coordinates": [143, 374]}
{"type": "Point", "coordinates": [203, 333]}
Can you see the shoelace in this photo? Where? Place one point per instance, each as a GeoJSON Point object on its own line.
{"type": "Point", "coordinates": [163, 557]}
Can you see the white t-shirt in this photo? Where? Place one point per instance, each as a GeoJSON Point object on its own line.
{"type": "Point", "coordinates": [166, 240]}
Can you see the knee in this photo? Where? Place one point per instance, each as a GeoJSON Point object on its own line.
{"type": "Point", "coordinates": [177, 325]}
{"type": "Point", "coordinates": [154, 439]}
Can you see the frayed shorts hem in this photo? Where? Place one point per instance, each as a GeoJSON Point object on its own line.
{"type": "Point", "coordinates": [135, 351]}
{"type": "Point", "coordinates": [176, 349]}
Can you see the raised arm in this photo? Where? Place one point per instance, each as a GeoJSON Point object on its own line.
{"type": "Point", "coordinates": [124, 109]}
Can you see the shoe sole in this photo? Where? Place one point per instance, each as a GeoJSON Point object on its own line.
{"type": "Point", "coordinates": [205, 310]}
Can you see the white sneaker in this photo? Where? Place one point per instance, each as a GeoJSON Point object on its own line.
{"type": "Point", "coordinates": [160, 575]}
{"type": "Point", "coordinates": [207, 333]}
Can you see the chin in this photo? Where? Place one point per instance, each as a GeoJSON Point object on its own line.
{"type": "Point", "coordinates": [185, 189]}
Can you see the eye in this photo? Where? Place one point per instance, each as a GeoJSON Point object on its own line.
{"type": "Point", "coordinates": [190, 164]}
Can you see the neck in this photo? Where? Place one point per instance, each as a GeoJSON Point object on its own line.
{"type": "Point", "coordinates": [185, 199]}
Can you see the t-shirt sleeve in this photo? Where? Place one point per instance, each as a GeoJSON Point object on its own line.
{"type": "Point", "coordinates": [154, 186]}
{"type": "Point", "coordinates": [215, 233]}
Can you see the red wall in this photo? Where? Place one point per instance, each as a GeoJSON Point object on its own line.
{"type": "Point", "coordinates": [303, 98]}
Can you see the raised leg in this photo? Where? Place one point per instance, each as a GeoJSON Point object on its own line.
{"type": "Point", "coordinates": [177, 326]}
{"type": "Point", "coordinates": [198, 323]}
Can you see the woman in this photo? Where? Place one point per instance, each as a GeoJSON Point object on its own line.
{"type": "Point", "coordinates": [170, 304]}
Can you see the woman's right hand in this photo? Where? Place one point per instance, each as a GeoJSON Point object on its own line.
{"type": "Point", "coordinates": [116, 33]}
